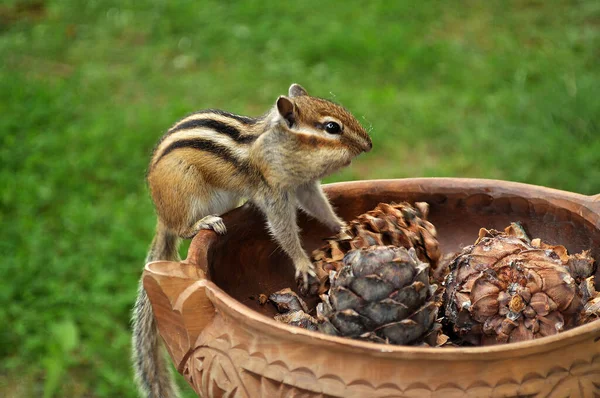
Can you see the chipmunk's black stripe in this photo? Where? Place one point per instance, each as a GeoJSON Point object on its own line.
{"type": "Point", "coordinates": [202, 145]}
{"type": "Point", "coordinates": [239, 118]}
{"type": "Point", "coordinates": [215, 125]}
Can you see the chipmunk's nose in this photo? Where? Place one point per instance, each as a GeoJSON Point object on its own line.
{"type": "Point", "coordinates": [368, 145]}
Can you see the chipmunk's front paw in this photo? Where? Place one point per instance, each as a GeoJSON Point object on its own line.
{"type": "Point", "coordinates": [341, 231]}
{"type": "Point", "coordinates": [303, 271]}
{"type": "Point", "coordinates": [338, 226]}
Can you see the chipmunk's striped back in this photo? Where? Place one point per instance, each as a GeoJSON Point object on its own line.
{"type": "Point", "coordinates": [221, 133]}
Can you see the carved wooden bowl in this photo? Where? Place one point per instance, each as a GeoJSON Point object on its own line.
{"type": "Point", "coordinates": [226, 344]}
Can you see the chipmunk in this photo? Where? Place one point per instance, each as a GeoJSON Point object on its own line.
{"type": "Point", "coordinates": [207, 162]}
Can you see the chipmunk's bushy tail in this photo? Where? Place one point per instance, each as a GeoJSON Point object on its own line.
{"type": "Point", "coordinates": [152, 369]}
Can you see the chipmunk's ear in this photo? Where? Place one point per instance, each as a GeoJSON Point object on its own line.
{"type": "Point", "coordinates": [287, 110]}
{"type": "Point", "coordinates": [296, 90]}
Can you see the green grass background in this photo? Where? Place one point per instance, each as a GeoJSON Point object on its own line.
{"type": "Point", "coordinates": [494, 89]}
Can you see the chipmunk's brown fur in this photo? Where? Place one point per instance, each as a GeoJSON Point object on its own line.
{"type": "Point", "coordinates": [208, 161]}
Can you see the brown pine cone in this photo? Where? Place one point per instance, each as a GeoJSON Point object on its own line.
{"type": "Point", "coordinates": [400, 225]}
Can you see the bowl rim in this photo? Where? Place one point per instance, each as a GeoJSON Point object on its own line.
{"type": "Point", "coordinates": [264, 324]}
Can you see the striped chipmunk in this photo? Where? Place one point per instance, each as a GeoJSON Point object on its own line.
{"type": "Point", "coordinates": [207, 162]}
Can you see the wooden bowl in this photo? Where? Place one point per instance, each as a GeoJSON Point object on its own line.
{"type": "Point", "coordinates": [225, 343]}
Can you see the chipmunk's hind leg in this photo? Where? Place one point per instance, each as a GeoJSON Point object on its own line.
{"type": "Point", "coordinates": [212, 221]}
{"type": "Point", "coordinates": [206, 216]}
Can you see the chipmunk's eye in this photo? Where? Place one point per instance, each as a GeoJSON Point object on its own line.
{"type": "Point", "coordinates": [332, 128]}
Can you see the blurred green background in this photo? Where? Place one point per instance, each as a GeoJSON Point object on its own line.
{"type": "Point", "coordinates": [495, 89]}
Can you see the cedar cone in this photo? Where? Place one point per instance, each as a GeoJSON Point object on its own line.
{"type": "Point", "coordinates": [382, 294]}
{"type": "Point", "coordinates": [506, 288]}
{"type": "Point", "coordinates": [400, 225]}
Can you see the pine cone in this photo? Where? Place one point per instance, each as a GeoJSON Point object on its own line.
{"type": "Point", "coordinates": [399, 225]}
{"type": "Point", "coordinates": [506, 288]}
{"type": "Point", "coordinates": [381, 294]}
